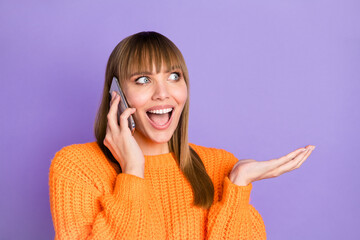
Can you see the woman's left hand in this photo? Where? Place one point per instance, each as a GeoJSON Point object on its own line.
{"type": "Point", "coordinates": [249, 170]}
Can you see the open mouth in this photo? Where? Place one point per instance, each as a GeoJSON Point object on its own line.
{"type": "Point", "coordinates": [160, 118]}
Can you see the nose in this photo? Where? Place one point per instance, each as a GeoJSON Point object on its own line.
{"type": "Point", "coordinates": [160, 91]}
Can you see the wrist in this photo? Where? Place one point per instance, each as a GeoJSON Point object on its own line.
{"type": "Point", "coordinates": [137, 171]}
{"type": "Point", "coordinates": [238, 181]}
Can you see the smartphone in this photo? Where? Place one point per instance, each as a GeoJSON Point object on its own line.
{"type": "Point", "coordinates": [115, 86]}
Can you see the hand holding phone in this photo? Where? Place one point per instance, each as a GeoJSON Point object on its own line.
{"type": "Point", "coordinates": [118, 139]}
{"type": "Point", "coordinates": [115, 86]}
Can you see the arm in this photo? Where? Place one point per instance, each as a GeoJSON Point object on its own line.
{"type": "Point", "coordinates": [233, 217]}
{"type": "Point", "coordinates": [81, 211]}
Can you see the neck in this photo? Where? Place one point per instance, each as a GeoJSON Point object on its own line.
{"type": "Point", "coordinates": [149, 147]}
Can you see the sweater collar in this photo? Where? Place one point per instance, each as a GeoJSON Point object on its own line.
{"type": "Point", "coordinates": [161, 160]}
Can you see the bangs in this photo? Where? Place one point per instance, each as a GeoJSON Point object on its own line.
{"type": "Point", "coordinates": [143, 54]}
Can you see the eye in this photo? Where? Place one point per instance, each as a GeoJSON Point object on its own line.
{"type": "Point", "coordinates": [175, 76]}
{"type": "Point", "coordinates": [142, 80]}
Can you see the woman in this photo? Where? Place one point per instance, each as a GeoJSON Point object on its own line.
{"type": "Point", "coordinates": [153, 184]}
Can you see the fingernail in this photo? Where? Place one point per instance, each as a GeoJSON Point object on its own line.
{"type": "Point", "coordinates": [313, 147]}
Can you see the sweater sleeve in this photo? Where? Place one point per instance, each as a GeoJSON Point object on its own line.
{"type": "Point", "coordinates": [80, 211]}
{"type": "Point", "coordinates": [232, 216]}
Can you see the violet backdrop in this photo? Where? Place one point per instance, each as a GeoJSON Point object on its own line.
{"type": "Point", "coordinates": [266, 77]}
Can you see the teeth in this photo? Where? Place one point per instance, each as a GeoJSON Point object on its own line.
{"type": "Point", "coordinates": [161, 111]}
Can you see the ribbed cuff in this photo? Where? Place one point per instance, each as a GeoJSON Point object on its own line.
{"type": "Point", "coordinates": [130, 188]}
{"type": "Point", "coordinates": [234, 195]}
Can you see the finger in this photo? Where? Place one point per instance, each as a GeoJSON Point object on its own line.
{"type": "Point", "coordinates": [308, 152]}
{"type": "Point", "coordinates": [275, 163]}
{"type": "Point", "coordinates": [293, 164]}
{"type": "Point", "coordinates": [295, 153]}
{"type": "Point", "coordinates": [124, 125]}
{"type": "Point", "coordinates": [113, 95]}
{"type": "Point", "coordinates": [112, 114]}
{"type": "Point", "coordinates": [301, 156]}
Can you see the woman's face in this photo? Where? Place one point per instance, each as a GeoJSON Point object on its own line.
{"type": "Point", "coordinates": [159, 100]}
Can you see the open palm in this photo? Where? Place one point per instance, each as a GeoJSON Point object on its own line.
{"type": "Point", "coordinates": [249, 170]}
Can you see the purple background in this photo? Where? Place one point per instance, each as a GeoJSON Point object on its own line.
{"type": "Point", "coordinates": [266, 77]}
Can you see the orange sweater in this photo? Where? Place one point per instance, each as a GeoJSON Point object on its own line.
{"type": "Point", "coordinates": [89, 199]}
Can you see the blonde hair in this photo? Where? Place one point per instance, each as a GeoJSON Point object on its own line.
{"type": "Point", "coordinates": [138, 53]}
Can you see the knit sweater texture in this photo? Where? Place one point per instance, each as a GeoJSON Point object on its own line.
{"type": "Point", "coordinates": [90, 199]}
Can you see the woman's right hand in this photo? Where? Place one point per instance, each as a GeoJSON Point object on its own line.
{"type": "Point", "coordinates": [121, 143]}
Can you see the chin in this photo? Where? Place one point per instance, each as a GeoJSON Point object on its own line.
{"type": "Point", "coordinates": [160, 138]}
{"type": "Point", "coordinates": [154, 136]}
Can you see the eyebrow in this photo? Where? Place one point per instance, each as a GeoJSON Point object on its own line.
{"type": "Point", "coordinates": [150, 73]}
{"type": "Point", "coordinates": [140, 73]}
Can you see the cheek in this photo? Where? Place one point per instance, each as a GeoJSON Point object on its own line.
{"type": "Point", "coordinates": [180, 95]}
{"type": "Point", "coordinates": [137, 100]}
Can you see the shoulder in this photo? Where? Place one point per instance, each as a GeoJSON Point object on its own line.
{"type": "Point", "coordinates": [215, 157]}
{"type": "Point", "coordinates": [74, 154]}
{"type": "Point", "coordinates": [212, 153]}
{"type": "Point", "coordinates": [83, 162]}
